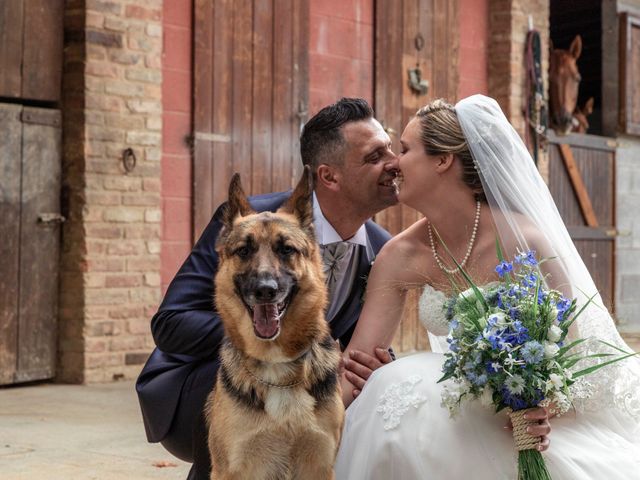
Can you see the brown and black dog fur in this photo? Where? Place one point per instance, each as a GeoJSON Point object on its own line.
{"type": "Point", "coordinates": [276, 410]}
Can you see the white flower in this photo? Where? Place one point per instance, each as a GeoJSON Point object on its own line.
{"type": "Point", "coordinates": [553, 313]}
{"type": "Point", "coordinates": [554, 334]}
{"type": "Point", "coordinates": [515, 384]}
{"type": "Point", "coordinates": [451, 395]}
{"type": "Point", "coordinates": [556, 380]}
{"type": "Point", "coordinates": [550, 350]}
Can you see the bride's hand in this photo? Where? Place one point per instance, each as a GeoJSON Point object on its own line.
{"type": "Point", "coordinates": [542, 429]}
{"type": "Point", "coordinates": [360, 365]}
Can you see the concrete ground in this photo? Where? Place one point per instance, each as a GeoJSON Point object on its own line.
{"type": "Point", "coordinates": [76, 432]}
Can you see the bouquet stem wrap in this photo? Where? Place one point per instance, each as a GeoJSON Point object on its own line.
{"type": "Point", "coordinates": [524, 440]}
{"type": "Point", "coordinates": [531, 465]}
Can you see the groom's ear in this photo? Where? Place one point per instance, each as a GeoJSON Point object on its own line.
{"type": "Point", "coordinates": [444, 162]}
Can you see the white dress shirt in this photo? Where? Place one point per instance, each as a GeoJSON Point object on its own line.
{"type": "Point", "coordinates": [340, 280]}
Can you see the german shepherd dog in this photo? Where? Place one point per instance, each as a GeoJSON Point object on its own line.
{"type": "Point", "coordinates": [276, 411]}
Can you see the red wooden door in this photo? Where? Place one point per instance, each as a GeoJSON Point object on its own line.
{"type": "Point", "coordinates": [410, 34]}
{"type": "Point", "coordinates": [250, 97]}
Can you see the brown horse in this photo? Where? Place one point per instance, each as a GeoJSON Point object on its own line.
{"type": "Point", "coordinates": [564, 80]}
{"type": "Point", "coordinates": [580, 120]}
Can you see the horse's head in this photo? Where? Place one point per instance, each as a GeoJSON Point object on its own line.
{"type": "Point", "coordinates": [564, 80]}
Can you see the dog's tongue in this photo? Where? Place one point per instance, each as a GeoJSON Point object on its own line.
{"type": "Point", "coordinates": [265, 320]}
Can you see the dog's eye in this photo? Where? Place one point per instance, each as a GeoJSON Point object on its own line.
{"type": "Point", "coordinates": [286, 250]}
{"type": "Point", "coordinates": [242, 252]}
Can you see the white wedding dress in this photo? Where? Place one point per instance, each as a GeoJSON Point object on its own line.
{"type": "Point", "coordinates": [397, 429]}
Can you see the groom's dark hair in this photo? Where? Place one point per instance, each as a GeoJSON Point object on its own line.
{"type": "Point", "coordinates": [322, 140]}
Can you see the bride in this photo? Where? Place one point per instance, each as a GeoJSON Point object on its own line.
{"type": "Point", "coordinates": [467, 171]}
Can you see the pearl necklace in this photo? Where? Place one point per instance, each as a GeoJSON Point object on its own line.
{"type": "Point", "coordinates": [469, 248]}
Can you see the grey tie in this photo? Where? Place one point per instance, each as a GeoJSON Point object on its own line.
{"type": "Point", "coordinates": [336, 258]}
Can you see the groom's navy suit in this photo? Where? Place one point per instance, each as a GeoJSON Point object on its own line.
{"type": "Point", "coordinates": [181, 371]}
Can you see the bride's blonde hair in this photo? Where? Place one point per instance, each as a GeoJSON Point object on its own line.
{"type": "Point", "coordinates": [440, 133]}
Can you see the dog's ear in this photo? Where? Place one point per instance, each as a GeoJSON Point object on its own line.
{"type": "Point", "coordinates": [238, 203]}
{"type": "Point", "coordinates": [300, 203]}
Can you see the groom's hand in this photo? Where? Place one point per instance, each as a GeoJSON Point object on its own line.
{"type": "Point", "coordinates": [360, 365]}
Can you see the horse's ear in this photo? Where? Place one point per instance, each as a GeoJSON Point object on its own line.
{"type": "Point", "coordinates": [588, 106]}
{"type": "Point", "coordinates": [576, 47]}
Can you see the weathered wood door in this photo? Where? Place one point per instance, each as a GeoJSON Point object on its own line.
{"type": "Point", "coordinates": [31, 49]}
{"type": "Point", "coordinates": [582, 183]}
{"type": "Point", "coordinates": [410, 34]}
{"type": "Point", "coordinates": [30, 152]}
{"type": "Point", "coordinates": [250, 97]}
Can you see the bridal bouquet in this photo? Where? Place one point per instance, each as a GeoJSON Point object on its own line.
{"type": "Point", "coordinates": [508, 348]}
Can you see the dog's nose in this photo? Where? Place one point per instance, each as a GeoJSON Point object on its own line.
{"type": "Point", "coordinates": [266, 290]}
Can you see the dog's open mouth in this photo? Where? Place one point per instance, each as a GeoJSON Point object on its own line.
{"type": "Point", "coordinates": [266, 318]}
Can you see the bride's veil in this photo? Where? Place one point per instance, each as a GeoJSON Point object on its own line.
{"type": "Point", "coordinates": [526, 217]}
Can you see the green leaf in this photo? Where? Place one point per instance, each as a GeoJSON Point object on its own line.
{"type": "Point", "coordinates": [614, 347]}
{"type": "Point", "coordinates": [595, 368]}
{"type": "Point", "coordinates": [446, 376]}
{"type": "Point", "coordinates": [566, 348]}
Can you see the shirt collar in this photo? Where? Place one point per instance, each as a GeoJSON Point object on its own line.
{"type": "Point", "coordinates": [326, 234]}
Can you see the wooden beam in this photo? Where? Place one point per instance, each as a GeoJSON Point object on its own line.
{"type": "Point", "coordinates": [578, 185]}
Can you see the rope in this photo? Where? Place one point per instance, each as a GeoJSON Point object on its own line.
{"type": "Point", "coordinates": [524, 440]}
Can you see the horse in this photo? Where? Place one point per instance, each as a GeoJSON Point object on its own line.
{"type": "Point", "coordinates": [580, 121]}
{"type": "Point", "coordinates": [564, 81]}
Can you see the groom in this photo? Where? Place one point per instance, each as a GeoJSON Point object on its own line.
{"type": "Point", "coordinates": [353, 167]}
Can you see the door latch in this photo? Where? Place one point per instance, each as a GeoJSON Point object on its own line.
{"type": "Point", "coordinates": [50, 219]}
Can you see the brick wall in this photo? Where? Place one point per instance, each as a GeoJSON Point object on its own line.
{"type": "Point", "coordinates": [508, 27]}
{"type": "Point", "coordinates": [110, 273]}
{"type": "Point", "coordinates": [340, 51]}
{"type": "Point", "coordinates": [176, 175]}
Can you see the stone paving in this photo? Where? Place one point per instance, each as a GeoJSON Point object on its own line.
{"type": "Point", "coordinates": [77, 432]}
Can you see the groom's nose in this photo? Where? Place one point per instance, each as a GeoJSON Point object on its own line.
{"type": "Point", "coordinates": [392, 164]}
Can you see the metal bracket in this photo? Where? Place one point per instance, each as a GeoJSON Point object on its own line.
{"type": "Point", "coordinates": [52, 219]}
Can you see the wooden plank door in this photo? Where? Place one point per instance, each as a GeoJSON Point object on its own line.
{"type": "Point", "coordinates": [582, 183]}
{"type": "Point", "coordinates": [30, 153]}
{"type": "Point", "coordinates": [30, 62]}
{"type": "Point", "coordinates": [410, 33]}
{"type": "Point", "coordinates": [250, 97]}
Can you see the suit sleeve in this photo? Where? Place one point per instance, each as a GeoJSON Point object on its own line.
{"type": "Point", "coordinates": [186, 322]}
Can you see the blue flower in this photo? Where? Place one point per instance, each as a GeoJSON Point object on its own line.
{"type": "Point", "coordinates": [481, 380]}
{"type": "Point", "coordinates": [532, 352]}
{"type": "Point", "coordinates": [503, 268]}
{"type": "Point", "coordinates": [563, 306]}
{"type": "Point", "coordinates": [528, 258]}
{"type": "Point", "coordinates": [529, 281]}
{"type": "Point", "coordinates": [531, 258]}
{"type": "Point", "coordinates": [453, 345]}
{"type": "Point", "coordinates": [493, 367]}
{"type": "Point", "coordinates": [513, 401]}
{"type": "Point", "coordinates": [518, 334]}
